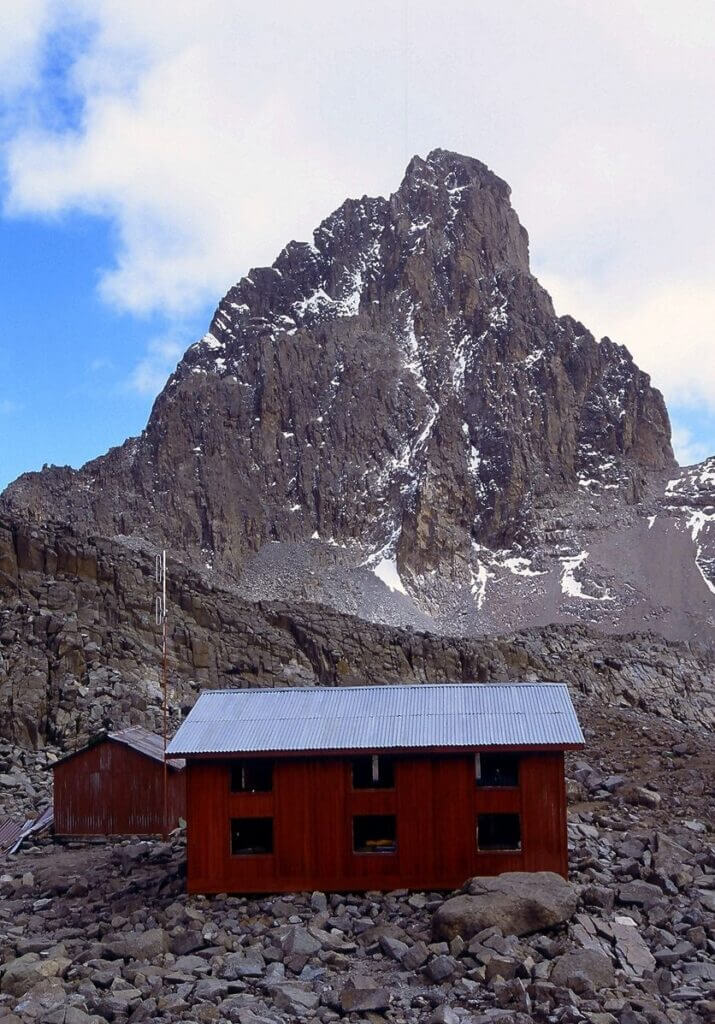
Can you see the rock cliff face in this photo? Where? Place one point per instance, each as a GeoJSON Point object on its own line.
{"type": "Point", "coordinates": [401, 384]}
{"type": "Point", "coordinates": [392, 421]}
{"type": "Point", "coordinates": [79, 649]}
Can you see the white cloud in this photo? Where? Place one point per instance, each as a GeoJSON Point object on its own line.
{"type": "Point", "coordinates": [23, 25]}
{"type": "Point", "coordinates": [667, 326]}
{"type": "Point", "coordinates": [149, 375]}
{"type": "Point", "coordinates": [688, 450]}
{"type": "Point", "coordinates": [204, 156]}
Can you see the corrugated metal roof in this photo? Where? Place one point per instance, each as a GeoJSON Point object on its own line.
{"type": "Point", "coordinates": [379, 717]}
{"type": "Point", "coordinates": [139, 739]}
{"type": "Point", "coordinates": [14, 831]}
{"type": "Point", "coordinates": [144, 742]}
{"type": "Point", "coordinates": [10, 831]}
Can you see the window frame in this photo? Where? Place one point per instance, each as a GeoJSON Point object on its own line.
{"type": "Point", "coordinates": [499, 849]}
{"type": "Point", "coordinates": [479, 769]}
{"type": "Point", "coordinates": [387, 760]}
{"type": "Point", "coordinates": [240, 764]}
{"type": "Point", "coordinates": [251, 853]}
{"type": "Point", "coordinates": [380, 852]}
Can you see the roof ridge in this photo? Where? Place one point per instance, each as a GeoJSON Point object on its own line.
{"type": "Point", "coordinates": [375, 686]}
{"type": "Point", "coordinates": [133, 728]}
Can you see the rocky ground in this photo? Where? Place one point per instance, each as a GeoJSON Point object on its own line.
{"type": "Point", "coordinates": [105, 931]}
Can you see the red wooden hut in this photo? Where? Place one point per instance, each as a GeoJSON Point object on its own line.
{"type": "Point", "coordinates": [374, 787]}
{"type": "Point", "coordinates": [115, 786]}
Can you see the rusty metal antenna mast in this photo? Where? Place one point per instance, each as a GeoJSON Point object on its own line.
{"type": "Point", "coordinates": [160, 615]}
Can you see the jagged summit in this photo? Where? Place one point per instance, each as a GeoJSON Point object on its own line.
{"type": "Point", "coordinates": [369, 251]}
{"type": "Point", "coordinates": [395, 397]}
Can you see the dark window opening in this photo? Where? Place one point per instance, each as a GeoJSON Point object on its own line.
{"type": "Point", "coordinates": [374, 772]}
{"type": "Point", "coordinates": [251, 835]}
{"type": "Point", "coordinates": [497, 769]}
{"type": "Point", "coordinates": [374, 833]}
{"type": "Point", "coordinates": [498, 832]}
{"type": "Point", "coordinates": [252, 775]}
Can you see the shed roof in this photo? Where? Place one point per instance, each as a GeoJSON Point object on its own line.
{"type": "Point", "coordinates": [379, 717]}
{"type": "Point", "coordinates": [13, 830]}
{"type": "Point", "coordinates": [134, 737]}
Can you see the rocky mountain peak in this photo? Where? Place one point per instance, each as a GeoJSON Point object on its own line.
{"type": "Point", "coordinates": [399, 391]}
{"type": "Point", "coordinates": [448, 226]}
{"type": "Point", "coordinates": [458, 196]}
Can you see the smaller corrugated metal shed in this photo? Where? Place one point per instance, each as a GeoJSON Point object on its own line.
{"type": "Point", "coordinates": [419, 716]}
{"type": "Point", "coordinates": [135, 737]}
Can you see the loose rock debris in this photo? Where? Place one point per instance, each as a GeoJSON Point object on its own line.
{"type": "Point", "coordinates": [105, 932]}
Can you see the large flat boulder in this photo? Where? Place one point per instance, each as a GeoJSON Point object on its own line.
{"type": "Point", "coordinates": [517, 902]}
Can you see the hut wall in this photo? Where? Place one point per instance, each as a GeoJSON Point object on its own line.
{"type": "Point", "coordinates": [111, 789]}
{"type": "Point", "coordinates": [436, 802]}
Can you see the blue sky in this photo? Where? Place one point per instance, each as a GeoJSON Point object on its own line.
{"type": "Point", "coordinates": [148, 158]}
{"type": "Point", "coordinates": [69, 388]}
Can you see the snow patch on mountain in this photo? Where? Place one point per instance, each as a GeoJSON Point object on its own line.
{"type": "Point", "coordinates": [573, 587]}
{"type": "Point", "coordinates": [479, 576]}
{"type": "Point", "coordinates": [386, 570]}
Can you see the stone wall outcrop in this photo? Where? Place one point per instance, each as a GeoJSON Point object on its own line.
{"type": "Point", "coordinates": [79, 648]}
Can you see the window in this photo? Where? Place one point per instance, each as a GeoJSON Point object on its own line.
{"type": "Point", "coordinates": [374, 833]}
{"type": "Point", "coordinates": [498, 832]}
{"type": "Point", "coordinates": [251, 835]}
{"type": "Point", "coordinates": [374, 772]}
{"type": "Point", "coordinates": [497, 769]}
{"type": "Point", "coordinates": [252, 775]}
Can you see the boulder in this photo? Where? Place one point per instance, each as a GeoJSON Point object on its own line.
{"type": "Point", "coordinates": [20, 975]}
{"type": "Point", "coordinates": [299, 940]}
{"type": "Point", "coordinates": [318, 902]}
{"type": "Point", "coordinates": [295, 997]}
{"type": "Point", "coordinates": [517, 902]}
{"type": "Point", "coordinates": [186, 942]}
{"type": "Point", "coordinates": [669, 856]}
{"type": "Point", "coordinates": [441, 968]}
{"type": "Point", "coordinates": [211, 989]}
{"type": "Point", "coordinates": [444, 1015]}
{"type": "Point", "coordinates": [361, 994]}
{"type": "Point", "coordinates": [250, 964]}
{"type": "Point", "coordinates": [640, 796]}
{"type": "Point", "coordinates": [331, 942]}
{"type": "Point", "coordinates": [584, 970]}
{"type": "Point", "coordinates": [66, 1015]}
{"type": "Point", "coordinates": [393, 947]}
{"type": "Point", "coordinates": [119, 1002]}
{"type": "Point", "coordinates": [415, 957]}
{"type": "Point", "coordinates": [193, 964]}
{"type": "Point", "coordinates": [501, 966]}
{"type": "Point", "coordinates": [705, 971]}
{"type": "Point", "coordinates": [140, 945]}
{"type": "Point", "coordinates": [635, 957]}
{"type": "Point", "coordinates": [639, 893]}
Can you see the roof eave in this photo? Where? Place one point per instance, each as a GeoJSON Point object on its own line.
{"type": "Point", "coordinates": [203, 755]}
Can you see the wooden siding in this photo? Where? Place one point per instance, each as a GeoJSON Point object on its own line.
{"type": "Point", "coordinates": [111, 789]}
{"type": "Point", "coordinates": [435, 800]}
